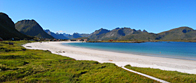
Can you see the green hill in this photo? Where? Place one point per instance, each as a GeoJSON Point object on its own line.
{"type": "Point", "coordinates": [141, 36]}
{"type": "Point", "coordinates": [181, 33]}
{"type": "Point", "coordinates": [7, 29]}
{"type": "Point", "coordinates": [32, 28]}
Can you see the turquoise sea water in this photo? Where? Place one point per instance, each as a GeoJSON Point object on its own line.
{"type": "Point", "coordinates": [179, 50]}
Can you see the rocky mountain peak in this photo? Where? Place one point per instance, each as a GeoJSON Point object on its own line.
{"type": "Point", "coordinates": [144, 30]}
{"type": "Point", "coordinates": [32, 28]}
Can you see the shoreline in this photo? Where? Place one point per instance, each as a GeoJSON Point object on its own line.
{"type": "Point", "coordinates": [120, 59]}
{"type": "Point", "coordinates": [136, 53]}
{"type": "Point", "coordinates": [143, 41]}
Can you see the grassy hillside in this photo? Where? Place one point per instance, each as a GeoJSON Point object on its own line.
{"type": "Point", "coordinates": [141, 36]}
{"type": "Point", "coordinates": [18, 64]}
{"type": "Point", "coordinates": [7, 29]}
{"type": "Point", "coordinates": [181, 33]}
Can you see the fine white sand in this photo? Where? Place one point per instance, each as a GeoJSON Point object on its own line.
{"type": "Point", "coordinates": [120, 59]}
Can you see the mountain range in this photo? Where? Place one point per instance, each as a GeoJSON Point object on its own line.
{"type": "Point", "coordinates": [125, 33]}
{"type": "Point", "coordinates": [55, 35]}
{"type": "Point", "coordinates": [121, 34]}
{"type": "Point", "coordinates": [181, 33]}
{"type": "Point", "coordinates": [28, 29]}
{"type": "Point", "coordinates": [65, 36]}
{"type": "Point", "coordinates": [7, 29]}
{"type": "Point", "coordinates": [76, 35]}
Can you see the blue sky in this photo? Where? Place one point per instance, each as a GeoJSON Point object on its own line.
{"type": "Point", "coordinates": [86, 16]}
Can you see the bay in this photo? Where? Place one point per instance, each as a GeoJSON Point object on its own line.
{"type": "Point", "coordinates": [178, 50]}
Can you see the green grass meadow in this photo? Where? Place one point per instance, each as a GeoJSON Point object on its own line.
{"type": "Point", "coordinates": [21, 65]}
{"type": "Point", "coordinates": [170, 76]}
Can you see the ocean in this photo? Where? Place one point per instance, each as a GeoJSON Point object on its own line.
{"type": "Point", "coordinates": [178, 50]}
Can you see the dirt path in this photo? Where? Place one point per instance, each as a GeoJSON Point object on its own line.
{"type": "Point", "coordinates": [157, 79]}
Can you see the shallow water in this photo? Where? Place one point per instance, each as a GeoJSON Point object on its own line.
{"type": "Point", "coordinates": [179, 50]}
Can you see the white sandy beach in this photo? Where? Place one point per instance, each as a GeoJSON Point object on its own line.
{"type": "Point", "coordinates": [120, 59]}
